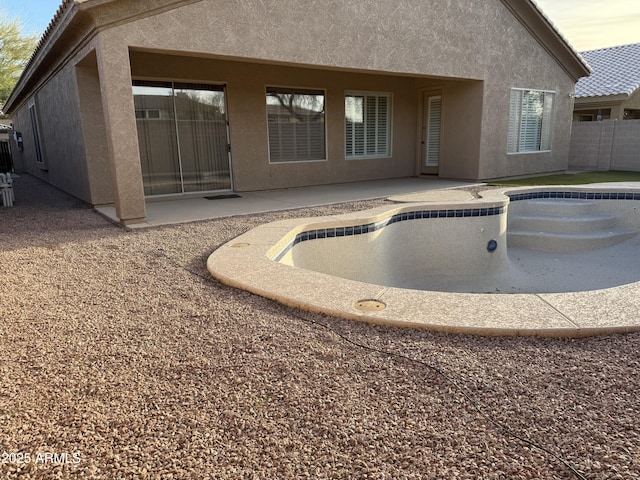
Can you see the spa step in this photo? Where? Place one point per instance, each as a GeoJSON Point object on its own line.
{"type": "Point", "coordinates": [558, 207]}
{"type": "Point", "coordinates": [551, 223]}
{"type": "Point", "coordinates": [567, 242]}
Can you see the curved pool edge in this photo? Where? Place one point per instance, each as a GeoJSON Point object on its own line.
{"type": "Point", "coordinates": [244, 263]}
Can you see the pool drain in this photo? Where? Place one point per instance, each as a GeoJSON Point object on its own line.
{"type": "Point", "coordinates": [369, 305]}
{"type": "Point", "coordinates": [239, 245]}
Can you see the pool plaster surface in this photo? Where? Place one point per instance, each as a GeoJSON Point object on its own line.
{"type": "Point", "coordinates": [245, 263]}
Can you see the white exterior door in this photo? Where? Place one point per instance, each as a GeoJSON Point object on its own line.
{"type": "Point", "coordinates": [431, 124]}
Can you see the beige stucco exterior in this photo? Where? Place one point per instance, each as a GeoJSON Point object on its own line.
{"type": "Point", "coordinates": [470, 53]}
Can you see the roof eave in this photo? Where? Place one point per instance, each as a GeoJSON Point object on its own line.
{"type": "Point", "coordinates": [614, 98]}
{"type": "Point", "coordinates": [53, 31]}
{"type": "Point", "coordinates": [548, 36]}
{"type": "Point", "coordinates": [525, 11]}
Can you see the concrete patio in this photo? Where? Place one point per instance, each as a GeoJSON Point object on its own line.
{"type": "Point", "coordinates": [172, 210]}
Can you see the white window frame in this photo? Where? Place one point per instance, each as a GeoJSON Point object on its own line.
{"type": "Point", "coordinates": [527, 137]}
{"type": "Point", "coordinates": [371, 136]}
{"type": "Point", "coordinates": [270, 134]}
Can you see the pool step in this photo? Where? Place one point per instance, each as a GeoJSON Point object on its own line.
{"type": "Point", "coordinates": [563, 225]}
{"type": "Point", "coordinates": [567, 242]}
{"type": "Point", "coordinates": [560, 206]}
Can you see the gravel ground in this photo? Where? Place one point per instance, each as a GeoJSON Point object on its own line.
{"type": "Point", "coordinates": [120, 357]}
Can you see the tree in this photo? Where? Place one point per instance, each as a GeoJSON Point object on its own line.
{"type": "Point", "coordinates": [15, 51]}
{"type": "Point", "coordinates": [302, 107]}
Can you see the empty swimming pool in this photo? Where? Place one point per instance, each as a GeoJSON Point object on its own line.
{"type": "Point", "coordinates": [528, 243]}
{"type": "Point", "coordinates": [544, 241]}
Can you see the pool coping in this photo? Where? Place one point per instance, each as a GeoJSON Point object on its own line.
{"type": "Point", "coordinates": [245, 263]}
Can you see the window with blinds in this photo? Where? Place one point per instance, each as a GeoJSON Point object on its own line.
{"type": "Point", "coordinates": [296, 124]}
{"type": "Point", "coordinates": [530, 121]}
{"type": "Point", "coordinates": [367, 125]}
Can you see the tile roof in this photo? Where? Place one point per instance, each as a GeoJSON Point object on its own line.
{"type": "Point", "coordinates": [616, 71]}
{"type": "Point", "coordinates": [64, 4]}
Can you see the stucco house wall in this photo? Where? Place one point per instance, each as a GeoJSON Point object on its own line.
{"type": "Point", "coordinates": [470, 53]}
{"type": "Point", "coordinates": [246, 85]}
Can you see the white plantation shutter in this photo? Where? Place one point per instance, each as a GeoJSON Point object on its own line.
{"type": "Point", "coordinates": [371, 125]}
{"type": "Point", "coordinates": [383, 130]}
{"type": "Point", "coordinates": [367, 125]}
{"type": "Point", "coordinates": [433, 132]}
{"type": "Point", "coordinates": [515, 109]}
{"type": "Point", "coordinates": [354, 131]}
{"type": "Point", "coordinates": [547, 122]}
{"type": "Point", "coordinates": [530, 121]}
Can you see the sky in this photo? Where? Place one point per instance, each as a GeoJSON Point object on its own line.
{"type": "Point", "coordinates": [586, 24]}
{"type": "Point", "coordinates": [34, 15]}
{"type": "Point", "coordinates": [593, 24]}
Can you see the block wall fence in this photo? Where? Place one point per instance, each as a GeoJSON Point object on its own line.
{"type": "Point", "coordinates": [605, 145]}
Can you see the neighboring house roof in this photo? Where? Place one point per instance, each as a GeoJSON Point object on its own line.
{"type": "Point", "coordinates": [616, 71]}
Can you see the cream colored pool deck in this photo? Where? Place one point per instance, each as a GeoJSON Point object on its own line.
{"type": "Point", "coordinates": [246, 263]}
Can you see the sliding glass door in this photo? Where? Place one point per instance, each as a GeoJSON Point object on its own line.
{"type": "Point", "coordinates": [183, 137]}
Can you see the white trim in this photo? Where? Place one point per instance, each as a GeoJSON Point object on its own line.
{"type": "Point", "coordinates": [373, 93]}
{"type": "Point", "coordinates": [538, 130]}
{"type": "Point", "coordinates": [533, 90]}
{"type": "Point", "coordinates": [529, 153]}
